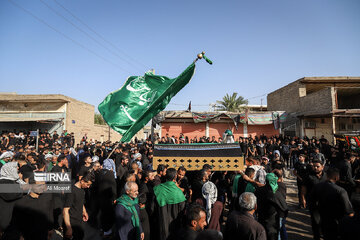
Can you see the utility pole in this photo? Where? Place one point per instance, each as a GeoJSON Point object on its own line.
{"type": "Point", "coordinates": [109, 134]}
{"type": "Point", "coordinates": [37, 140]}
{"type": "Point", "coordinates": [152, 120]}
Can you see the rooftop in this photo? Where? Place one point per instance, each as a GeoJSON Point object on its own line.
{"type": "Point", "coordinates": [14, 97]}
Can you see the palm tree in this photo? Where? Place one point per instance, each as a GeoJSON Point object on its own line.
{"type": "Point", "coordinates": [232, 103]}
{"type": "Point", "coordinates": [98, 119]}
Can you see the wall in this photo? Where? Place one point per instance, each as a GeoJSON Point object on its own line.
{"type": "Point", "coordinates": [79, 116]}
{"type": "Point", "coordinates": [256, 130]}
{"type": "Point", "coordinates": [288, 99]}
{"type": "Point", "coordinates": [30, 126]}
{"type": "Point", "coordinates": [188, 129]}
{"type": "Point", "coordinates": [215, 129]}
{"type": "Point", "coordinates": [285, 98]}
{"type": "Point", "coordinates": [319, 102]}
{"type": "Point", "coordinates": [32, 106]}
{"type": "Point", "coordinates": [79, 119]}
{"type": "Point", "coordinates": [322, 128]}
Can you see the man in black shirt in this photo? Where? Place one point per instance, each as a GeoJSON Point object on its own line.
{"type": "Point", "coordinates": [314, 178]}
{"type": "Point", "coordinates": [301, 171]}
{"type": "Point", "coordinates": [62, 165]}
{"type": "Point", "coordinates": [59, 198]}
{"type": "Point", "coordinates": [242, 224]}
{"type": "Point", "coordinates": [346, 177]}
{"type": "Point", "coordinates": [195, 222]}
{"type": "Point", "coordinates": [33, 214]}
{"type": "Point", "coordinates": [265, 163]}
{"type": "Point", "coordinates": [106, 195]}
{"type": "Point", "coordinates": [55, 136]}
{"type": "Point", "coordinates": [349, 226]}
{"type": "Point", "coordinates": [86, 167]}
{"type": "Point", "coordinates": [74, 210]}
{"type": "Point", "coordinates": [198, 184]}
{"type": "Point", "coordinates": [333, 204]}
{"type": "Point", "coordinates": [243, 146]}
{"type": "Point", "coordinates": [182, 181]}
{"type": "Point", "coordinates": [161, 173]}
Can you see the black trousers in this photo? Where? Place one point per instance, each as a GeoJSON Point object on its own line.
{"type": "Point", "coordinates": [330, 228]}
{"type": "Point", "coordinates": [299, 185]}
{"type": "Point", "coordinates": [107, 214]}
{"type": "Point", "coordinates": [315, 224]}
{"type": "Point", "coordinates": [77, 232]}
{"type": "Point", "coordinates": [144, 219]}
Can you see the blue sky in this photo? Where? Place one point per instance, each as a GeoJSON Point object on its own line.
{"type": "Point", "coordinates": [257, 46]}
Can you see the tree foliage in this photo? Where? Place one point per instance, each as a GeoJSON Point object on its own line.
{"type": "Point", "coordinates": [98, 119]}
{"type": "Point", "coordinates": [232, 103]}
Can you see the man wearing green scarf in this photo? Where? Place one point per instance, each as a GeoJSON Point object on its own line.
{"type": "Point", "coordinates": [128, 225]}
{"type": "Point", "coordinates": [270, 203]}
{"type": "Point", "coordinates": [170, 205]}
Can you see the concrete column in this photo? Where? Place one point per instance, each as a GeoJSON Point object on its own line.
{"type": "Point", "coordinates": [245, 130]}
{"type": "Point", "coordinates": [65, 118]}
{"type": "Point", "coordinates": [302, 133]}
{"type": "Point", "coordinates": [333, 123]}
{"type": "Point", "coordinates": [160, 130]}
{"type": "Point", "coordinates": [207, 127]}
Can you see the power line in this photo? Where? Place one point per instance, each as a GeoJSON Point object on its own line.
{"type": "Point", "coordinates": [203, 105]}
{"type": "Point", "coordinates": [196, 105]}
{"type": "Point", "coordinates": [88, 35]}
{"type": "Point", "coordinates": [100, 36]}
{"type": "Point", "coordinates": [65, 36]}
{"type": "Point", "coordinates": [257, 96]}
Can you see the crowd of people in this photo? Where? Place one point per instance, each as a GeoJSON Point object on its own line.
{"type": "Point", "coordinates": [115, 188]}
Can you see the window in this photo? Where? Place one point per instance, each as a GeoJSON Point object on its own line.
{"type": "Point", "coordinates": [310, 125]}
{"type": "Point", "coordinates": [344, 126]}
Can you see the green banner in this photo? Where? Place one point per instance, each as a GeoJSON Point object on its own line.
{"type": "Point", "coordinates": [130, 108]}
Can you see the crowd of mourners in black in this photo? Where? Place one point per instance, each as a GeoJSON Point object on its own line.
{"type": "Point", "coordinates": [125, 198]}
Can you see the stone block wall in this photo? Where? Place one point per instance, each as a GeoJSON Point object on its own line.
{"type": "Point", "coordinates": [293, 99]}
{"type": "Point", "coordinates": [285, 98]}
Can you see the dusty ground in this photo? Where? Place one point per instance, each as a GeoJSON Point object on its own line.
{"type": "Point", "coordinates": [298, 224]}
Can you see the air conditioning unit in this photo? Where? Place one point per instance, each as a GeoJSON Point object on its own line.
{"type": "Point", "coordinates": [310, 124]}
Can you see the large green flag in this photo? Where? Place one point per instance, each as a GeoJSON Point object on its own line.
{"type": "Point", "coordinates": [130, 108]}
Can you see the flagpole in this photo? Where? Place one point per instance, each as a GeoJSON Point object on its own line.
{"type": "Point", "coordinates": [199, 56]}
{"type": "Point", "coordinates": [202, 55]}
{"type": "Point", "coordinates": [117, 145]}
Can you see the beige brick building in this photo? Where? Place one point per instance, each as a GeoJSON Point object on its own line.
{"type": "Point", "coordinates": [319, 106]}
{"type": "Point", "coordinates": [53, 112]}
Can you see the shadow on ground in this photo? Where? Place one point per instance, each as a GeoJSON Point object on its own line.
{"type": "Point", "coordinates": [298, 223]}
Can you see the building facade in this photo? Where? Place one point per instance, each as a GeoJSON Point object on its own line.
{"type": "Point", "coordinates": [52, 112]}
{"type": "Point", "coordinates": [176, 122]}
{"type": "Point", "coordinates": [317, 106]}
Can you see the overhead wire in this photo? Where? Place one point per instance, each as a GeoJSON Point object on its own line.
{"type": "Point", "coordinates": [204, 105]}
{"type": "Point", "coordinates": [66, 36]}
{"type": "Point", "coordinates": [257, 96]}
{"type": "Point", "coordinates": [100, 36]}
{"type": "Point", "coordinates": [87, 34]}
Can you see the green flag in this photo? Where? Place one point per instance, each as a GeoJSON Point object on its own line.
{"type": "Point", "coordinates": [130, 108]}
